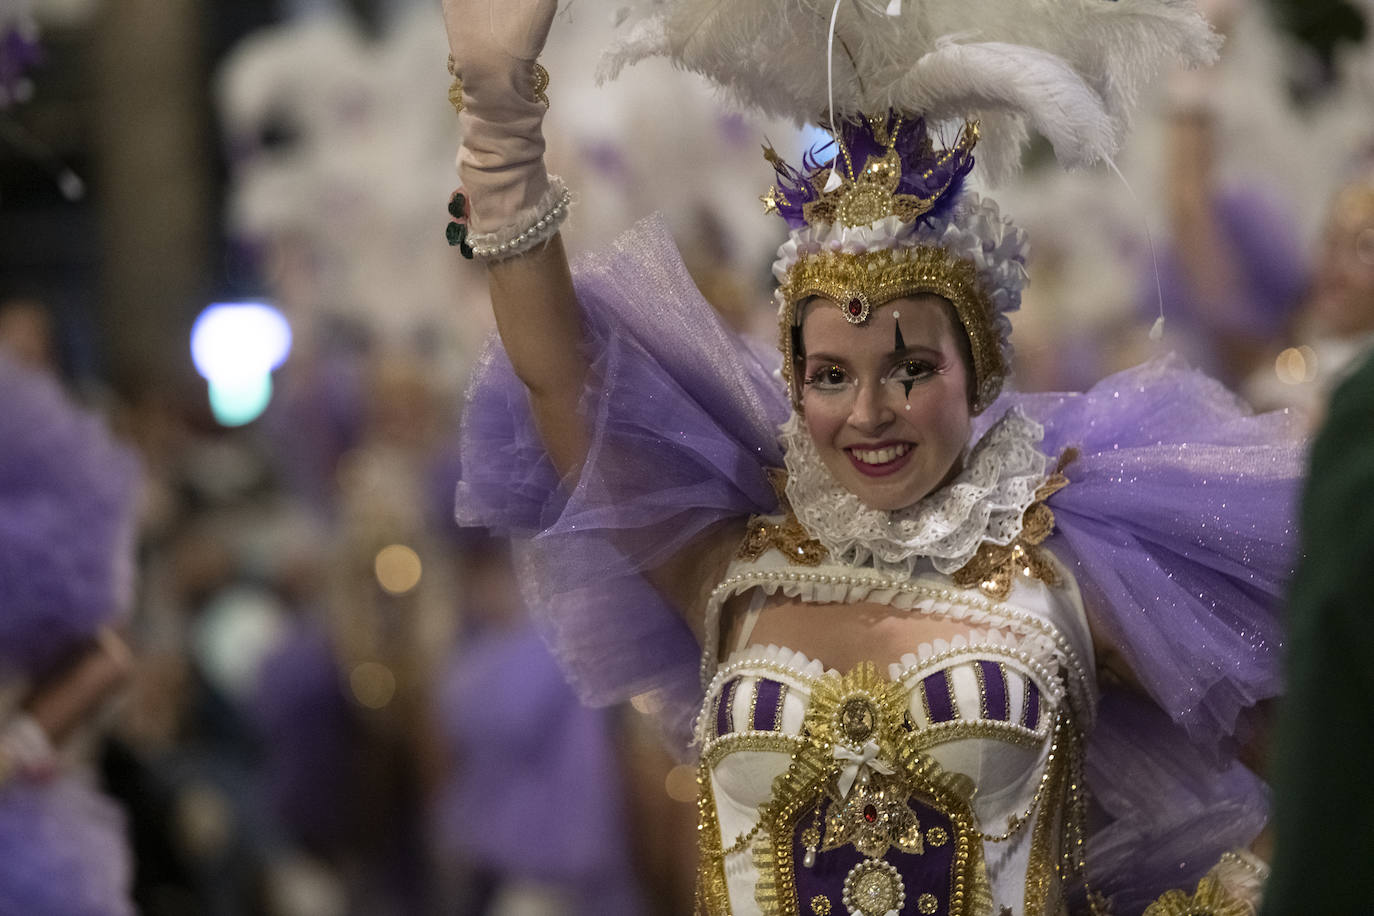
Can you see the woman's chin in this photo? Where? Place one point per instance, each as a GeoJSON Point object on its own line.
{"type": "Point", "coordinates": [888, 494]}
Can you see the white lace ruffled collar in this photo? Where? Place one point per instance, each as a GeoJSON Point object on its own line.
{"type": "Point", "coordinates": [985, 502]}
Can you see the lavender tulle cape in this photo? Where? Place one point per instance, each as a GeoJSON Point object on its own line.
{"type": "Point", "coordinates": [1177, 525]}
{"type": "Point", "coordinates": [62, 851]}
{"type": "Point", "coordinates": [67, 497]}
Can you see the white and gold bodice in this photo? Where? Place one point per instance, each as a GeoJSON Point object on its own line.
{"type": "Point", "coordinates": [938, 784]}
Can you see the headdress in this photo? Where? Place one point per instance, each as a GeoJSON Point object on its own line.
{"type": "Point", "coordinates": [889, 216]}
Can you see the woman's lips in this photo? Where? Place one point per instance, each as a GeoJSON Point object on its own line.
{"type": "Point", "coordinates": [881, 459]}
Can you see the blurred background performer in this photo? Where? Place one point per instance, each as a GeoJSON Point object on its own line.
{"type": "Point", "coordinates": [68, 495]}
{"type": "Point", "coordinates": [1316, 757]}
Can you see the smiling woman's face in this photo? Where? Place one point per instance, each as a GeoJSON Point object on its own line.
{"type": "Point", "coordinates": [887, 402]}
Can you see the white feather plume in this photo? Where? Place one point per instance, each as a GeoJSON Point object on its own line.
{"type": "Point", "coordinates": [1070, 69]}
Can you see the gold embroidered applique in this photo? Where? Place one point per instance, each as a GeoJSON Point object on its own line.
{"type": "Point", "coordinates": [864, 710]}
{"type": "Point", "coordinates": [994, 566]}
{"type": "Point", "coordinates": [1211, 899]}
{"type": "Point", "coordinates": [789, 537]}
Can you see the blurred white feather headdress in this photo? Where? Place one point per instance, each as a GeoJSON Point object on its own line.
{"type": "Point", "coordinates": [1069, 69]}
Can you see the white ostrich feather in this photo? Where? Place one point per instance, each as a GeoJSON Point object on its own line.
{"type": "Point", "coordinates": [1070, 69]}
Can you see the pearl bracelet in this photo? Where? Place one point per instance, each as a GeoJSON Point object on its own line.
{"type": "Point", "coordinates": [536, 226]}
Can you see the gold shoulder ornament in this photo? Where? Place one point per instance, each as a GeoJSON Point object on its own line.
{"type": "Point", "coordinates": [995, 566]}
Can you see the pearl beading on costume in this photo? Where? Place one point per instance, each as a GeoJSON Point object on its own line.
{"type": "Point", "coordinates": [1078, 679]}
{"type": "Point", "coordinates": [1052, 686]}
{"type": "Point", "coordinates": [540, 225]}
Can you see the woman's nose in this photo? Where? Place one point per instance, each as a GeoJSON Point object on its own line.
{"type": "Point", "coordinates": [871, 412]}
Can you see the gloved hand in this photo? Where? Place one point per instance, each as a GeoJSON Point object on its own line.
{"type": "Point", "coordinates": [501, 160]}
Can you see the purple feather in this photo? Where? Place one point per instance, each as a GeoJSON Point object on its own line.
{"type": "Point", "coordinates": [67, 501]}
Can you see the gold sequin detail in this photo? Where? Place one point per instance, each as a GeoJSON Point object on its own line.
{"type": "Point", "coordinates": [1211, 899]}
{"type": "Point", "coordinates": [820, 906]}
{"type": "Point", "coordinates": [870, 195]}
{"type": "Point", "coordinates": [877, 277]}
{"type": "Point", "coordinates": [788, 537]}
{"type": "Point", "coordinates": [995, 566]}
{"type": "Point", "coordinates": [927, 903]}
{"type": "Point", "coordinates": [937, 836]}
{"type": "Point", "coordinates": [539, 86]}
{"type": "Point", "coordinates": [455, 88]}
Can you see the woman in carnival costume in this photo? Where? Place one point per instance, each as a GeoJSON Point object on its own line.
{"type": "Point", "coordinates": [947, 649]}
{"type": "Point", "coordinates": [67, 499]}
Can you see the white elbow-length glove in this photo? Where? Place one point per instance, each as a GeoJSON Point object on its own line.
{"type": "Point", "coordinates": [495, 44]}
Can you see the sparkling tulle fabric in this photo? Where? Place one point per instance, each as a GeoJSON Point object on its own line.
{"type": "Point", "coordinates": [1176, 524]}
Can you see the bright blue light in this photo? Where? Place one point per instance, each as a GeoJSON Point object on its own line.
{"type": "Point", "coordinates": [237, 343]}
{"type": "Point", "coordinates": [240, 401]}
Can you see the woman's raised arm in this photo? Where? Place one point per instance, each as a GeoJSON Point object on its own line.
{"type": "Point", "coordinates": [515, 207]}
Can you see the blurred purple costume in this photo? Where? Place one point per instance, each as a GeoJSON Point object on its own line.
{"type": "Point", "coordinates": [532, 761]}
{"type": "Point", "coordinates": [67, 497]}
{"type": "Point", "coordinates": [1176, 525]}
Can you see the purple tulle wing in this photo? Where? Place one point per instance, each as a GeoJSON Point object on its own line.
{"type": "Point", "coordinates": [683, 417]}
{"type": "Point", "coordinates": [1178, 525]}
{"type": "Point", "coordinates": [67, 499]}
{"type": "Point", "coordinates": [62, 852]}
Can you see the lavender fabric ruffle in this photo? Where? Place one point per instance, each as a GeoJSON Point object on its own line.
{"type": "Point", "coordinates": [67, 499]}
{"type": "Point", "coordinates": [684, 419]}
{"type": "Point", "coordinates": [1177, 524]}
{"type": "Point", "coordinates": [62, 851]}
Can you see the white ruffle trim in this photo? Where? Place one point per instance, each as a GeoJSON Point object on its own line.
{"type": "Point", "coordinates": [985, 502]}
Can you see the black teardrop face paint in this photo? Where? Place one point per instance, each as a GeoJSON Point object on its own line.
{"type": "Point", "coordinates": [899, 345]}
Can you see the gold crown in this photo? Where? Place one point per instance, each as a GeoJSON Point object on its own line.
{"type": "Point", "coordinates": [864, 197]}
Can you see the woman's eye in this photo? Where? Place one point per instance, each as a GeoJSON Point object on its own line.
{"type": "Point", "coordinates": [912, 369]}
{"type": "Point", "coordinates": [828, 377]}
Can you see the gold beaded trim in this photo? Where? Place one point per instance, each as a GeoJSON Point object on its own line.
{"type": "Point", "coordinates": [1210, 899]}
{"type": "Point", "coordinates": [858, 283]}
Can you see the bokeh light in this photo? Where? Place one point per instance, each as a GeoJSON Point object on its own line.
{"type": "Point", "coordinates": [681, 784]}
{"type": "Point", "coordinates": [240, 401]}
{"type": "Point", "coordinates": [398, 569]}
{"type": "Point", "coordinates": [235, 346]}
{"type": "Point", "coordinates": [1296, 365]}
{"type": "Point", "coordinates": [373, 684]}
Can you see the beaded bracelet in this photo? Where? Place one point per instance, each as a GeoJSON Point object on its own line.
{"type": "Point", "coordinates": [534, 226]}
